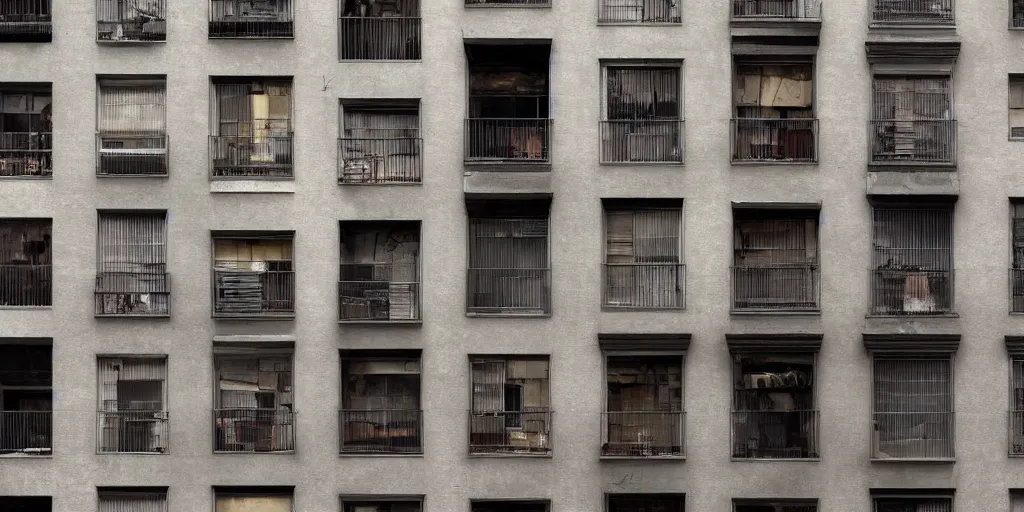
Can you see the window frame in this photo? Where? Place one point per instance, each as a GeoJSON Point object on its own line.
{"type": "Point", "coordinates": [950, 360]}
{"type": "Point", "coordinates": [1015, 80]}
{"type": "Point", "coordinates": [633, 206]}
{"type": "Point", "coordinates": [666, 354]}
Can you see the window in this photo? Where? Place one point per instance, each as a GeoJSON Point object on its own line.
{"type": "Point", "coordinates": [253, 499]}
{"type": "Point", "coordinates": [913, 407]}
{"type": "Point", "coordinates": [253, 406]}
{"type": "Point", "coordinates": [132, 277]}
{"type": "Point", "coordinates": [913, 502]}
{"type": "Point", "coordinates": [381, 504]}
{"type": "Point", "coordinates": [133, 499]}
{"type": "Point", "coordinates": [912, 259]}
{"type": "Point", "coordinates": [26, 392]}
{"type": "Point", "coordinates": [1017, 502]}
{"type": "Point", "coordinates": [511, 411]}
{"type": "Point", "coordinates": [251, 19]}
{"type": "Point", "coordinates": [774, 505]}
{"type": "Point", "coordinates": [132, 415]}
{"type": "Point", "coordinates": [132, 21]}
{"type": "Point", "coordinates": [644, 407]}
{"type": "Point", "coordinates": [643, 114]}
{"type": "Point", "coordinates": [380, 402]}
{"type": "Point", "coordinates": [26, 21]}
{"type": "Point", "coordinates": [26, 272]}
{"type": "Point", "coordinates": [1016, 94]}
{"type": "Point", "coordinates": [646, 503]}
{"type": "Point", "coordinates": [774, 116]}
{"type": "Point", "coordinates": [379, 279]}
{"type": "Point", "coordinates": [380, 142]}
{"type": "Point", "coordinates": [785, 9]}
{"type": "Point", "coordinates": [254, 274]}
{"type": "Point", "coordinates": [1017, 17]}
{"type": "Point", "coordinates": [909, 12]}
{"type": "Point", "coordinates": [379, 30]}
{"type": "Point", "coordinates": [775, 259]}
{"type": "Point", "coordinates": [1017, 406]}
{"type": "Point", "coordinates": [643, 254]}
{"type": "Point", "coordinates": [614, 12]}
{"type": "Point", "coordinates": [26, 138]}
{"type": "Point", "coordinates": [27, 503]}
{"type": "Point", "coordinates": [912, 120]}
{"type": "Point", "coordinates": [510, 506]}
{"type": "Point", "coordinates": [132, 126]}
{"type": "Point", "coordinates": [1017, 257]}
{"type": "Point", "coordinates": [252, 128]}
{"type": "Point", "coordinates": [774, 414]}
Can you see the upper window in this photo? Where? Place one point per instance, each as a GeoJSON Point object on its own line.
{"type": "Point", "coordinates": [643, 254]}
{"type": "Point", "coordinates": [748, 505]}
{"type": "Point", "coordinates": [379, 30]}
{"type": "Point", "coordinates": [912, 120]}
{"type": "Point", "coordinates": [252, 128]}
{"type": "Point", "coordinates": [643, 114]}
{"type": "Point", "coordinates": [380, 142]}
{"type": "Point", "coordinates": [247, 499]}
{"type": "Point", "coordinates": [133, 21]}
{"type": "Point", "coordinates": [774, 413]}
{"type": "Point", "coordinates": [253, 403]}
{"type": "Point", "coordinates": [379, 277]}
{"type": "Point", "coordinates": [1016, 106]}
{"type": "Point", "coordinates": [913, 12]}
{"type": "Point", "coordinates": [913, 503]}
{"type": "Point", "coordinates": [1017, 258]}
{"type": "Point", "coordinates": [912, 259]}
{"type": "Point", "coordinates": [380, 402]}
{"type": "Point", "coordinates": [132, 499]}
{"type": "Point", "coordinates": [26, 391]}
{"type": "Point", "coordinates": [132, 404]}
{"type": "Point", "coordinates": [26, 138]}
{"type": "Point", "coordinates": [26, 21]}
{"type": "Point", "coordinates": [365, 504]}
{"type": "Point", "coordinates": [1017, 409]}
{"type": "Point", "coordinates": [132, 127]}
{"type": "Point", "coordinates": [254, 274]}
{"type": "Point", "coordinates": [913, 408]}
{"type": "Point", "coordinates": [774, 118]}
{"type": "Point", "coordinates": [1017, 17]}
{"type": "Point", "coordinates": [511, 411]}
{"type": "Point", "coordinates": [510, 506]}
{"type": "Point", "coordinates": [132, 278]}
{"type": "Point", "coordinates": [26, 271]}
{"type": "Point", "coordinates": [251, 19]}
{"type": "Point", "coordinates": [644, 407]}
{"type": "Point", "coordinates": [775, 260]}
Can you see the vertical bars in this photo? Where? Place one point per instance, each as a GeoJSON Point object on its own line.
{"type": "Point", "coordinates": [132, 413]}
{"type": "Point", "coordinates": [25, 262]}
{"type": "Point", "coordinates": [380, 145]}
{"type": "Point", "coordinates": [131, 21]}
{"type": "Point", "coordinates": [775, 261]}
{"type": "Point", "coordinates": [132, 277]}
{"type": "Point", "coordinates": [25, 21]}
{"type": "Point", "coordinates": [251, 19]}
{"type": "Point", "coordinates": [26, 139]}
{"type": "Point", "coordinates": [912, 261]}
{"type": "Point", "coordinates": [639, 12]}
{"type": "Point", "coordinates": [643, 116]}
{"type": "Point", "coordinates": [913, 409]}
{"type": "Point", "coordinates": [253, 131]}
{"type": "Point", "coordinates": [913, 12]}
{"type": "Point", "coordinates": [643, 260]}
{"type": "Point", "coordinates": [380, 31]}
{"type": "Point", "coordinates": [509, 267]}
{"type": "Point", "coordinates": [132, 131]}
{"type": "Point", "coordinates": [132, 501]}
{"type": "Point", "coordinates": [511, 411]}
{"type": "Point", "coordinates": [912, 120]}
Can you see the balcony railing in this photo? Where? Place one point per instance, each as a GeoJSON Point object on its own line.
{"type": "Point", "coordinates": [380, 161]}
{"type": "Point", "coordinates": [253, 293]}
{"type": "Point", "coordinates": [130, 21]}
{"type": "Point", "coordinates": [1017, 290]}
{"type": "Point", "coordinates": [1017, 14]}
{"type": "Point", "coordinates": [510, 432]}
{"type": "Point", "coordinates": [642, 141]}
{"type": "Point", "coordinates": [133, 294]}
{"type": "Point", "coordinates": [26, 285]}
{"type": "Point", "coordinates": [25, 21]}
{"type": "Point", "coordinates": [251, 19]}
{"type": "Point", "coordinates": [253, 430]}
{"type": "Point", "coordinates": [776, 288]}
{"type": "Point", "coordinates": [508, 140]}
{"type": "Point", "coordinates": [381, 431]}
{"type": "Point", "coordinates": [26, 154]}
{"type": "Point", "coordinates": [26, 432]}
{"type": "Point", "coordinates": [118, 155]}
{"type": "Point", "coordinates": [913, 142]}
{"type": "Point", "coordinates": [774, 140]}
{"type": "Point", "coordinates": [380, 301]}
{"type": "Point", "coordinates": [775, 434]}
{"type": "Point", "coordinates": [1017, 433]}
{"type": "Point", "coordinates": [250, 157]}
{"type": "Point", "coordinates": [643, 434]}
{"type": "Point", "coordinates": [379, 38]}
{"type": "Point", "coordinates": [913, 12]}
{"type": "Point", "coordinates": [632, 11]}
{"type": "Point", "coordinates": [509, 291]}
{"type": "Point", "coordinates": [132, 431]}
{"type": "Point", "coordinates": [777, 9]}
{"type": "Point", "coordinates": [644, 285]}
{"type": "Point", "coordinates": [508, 3]}
{"type": "Point", "coordinates": [904, 292]}
{"type": "Point", "coordinates": [913, 435]}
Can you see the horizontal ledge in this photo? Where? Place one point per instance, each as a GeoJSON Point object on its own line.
{"type": "Point", "coordinates": [665, 458]}
{"type": "Point", "coordinates": [380, 455]}
{"type": "Point", "coordinates": [757, 460]}
{"type": "Point", "coordinates": [380, 322]}
{"type": "Point", "coordinates": [509, 456]}
{"type": "Point", "coordinates": [258, 338]}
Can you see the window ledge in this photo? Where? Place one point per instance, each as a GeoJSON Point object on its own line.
{"type": "Point", "coordinates": [498, 5]}
{"type": "Point", "coordinates": [914, 317]}
{"type": "Point", "coordinates": [757, 460]}
{"type": "Point", "coordinates": [111, 42]}
{"type": "Point", "coordinates": [379, 61]}
{"type": "Point", "coordinates": [282, 186]}
{"type": "Point", "coordinates": [635, 24]}
{"type": "Point", "coordinates": [670, 458]}
{"type": "Point", "coordinates": [283, 452]}
{"type": "Point", "coordinates": [26, 456]}
{"type": "Point", "coordinates": [631, 309]}
{"type": "Point", "coordinates": [748, 312]}
{"type": "Point", "coordinates": [643, 164]}
{"type": "Point", "coordinates": [144, 454]}
{"type": "Point", "coordinates": [33, 178]}
{"type": "Point", "coordinates": [380, 322]}
{"type": "Point", "coordinates": [771, 163]}
{"type": "Point", "coordinates": [244, 317]}
{"type": "Point", "coordinates": [510, 455]}
{"type": "Point", "coordinates": [141, 317]}
{"type": "Point", "coordinates": [1015, 455]}
{"type": "Point", "coordinates": [507, 315]}
{"type": "Point", "coordinates": [132, 176]}
{"type": "Point", "coordinates": [392, 184]}
{"type": "Point", "coordinates": [1011, 138]}
{"type": "Point", "coordinates": [354, 455]}
{"type": "Point", "coordinates": [930, 460]}
{"type": "Point", "coordinates": [26, 308]}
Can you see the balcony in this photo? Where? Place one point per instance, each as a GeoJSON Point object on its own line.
{"type": "Point", "coordinates": [245, 293]}
{"type": "Point", "coordinates": [1016, 433]}
{"type": "Point", "coordinates": [507, 3]}
{"type": "Point", "coordinates": [775, 434]}
{"type": "Point", "coordinates": [643, 434]}
{"type": "Point", "coordinates": [253, 430]}
{"type": "Point", "coordinates": [913, 436]}
{"type": "Point", "coordinates": [235, 157]}
{"type": "Point", "coordinates": [644, 286]}
{"type": "Point", "coordinates": [131, 21]}
{"type": "Point", "coordinates": [26, 433]}
{"type": "Point", "coordinates": [913, 142]}
{"type": "Point", "coordinates": [379, 37]}
{"type": "Point", "coordinates": [911, 292]}
{"type": "Point", "coordinates": [133, 294]}
{"type": "Point", "coordinates": [378, 301]}
{"type": "Point", "coordinates": [381, 431]}
{"type": "Point", "coordinates": [508, 140]}
{"type": "Point", "coordinates": [638, 12]}
{"type": "Point", "coordinates": [509, 291]}
{"type": "Point", "coordinates": [26, 285]}
{"type": "Point", "coordinates": [913, 12]}
{"type": "Point", "coordinates": [133, 155]}
{"type": "Point", "coordinates": [756, 140]}
{"type": "Point", "coordinates": [510, 433]}
{"type": "Point", "coordinates": [1017, 14]}
{"type": "Point", "coordinates": [383, 161]}
{"type": "Point", "coordinates": [776, 9]}
{"type": "Point", "coordinates": [775, 288]}
{"type": "Point", "coordinates": [25, 21]}
{"type": "Point", "coordinates": [26, 155]}
{"type": "Point", "coordinates": [132, 431]}
{"type": "Point", "coordinates": [642, 142]}
{"type": "Point", "coordinates": [251, 19]}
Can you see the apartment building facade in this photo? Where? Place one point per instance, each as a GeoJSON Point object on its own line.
{"type": "Point", "coordinates": [530, 256]}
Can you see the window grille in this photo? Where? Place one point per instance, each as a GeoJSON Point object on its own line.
{"type": "Point", "coordinates": [132, 276]}
{"type": "Point", "coordinates": [643, 115]}
{"type": "Point", "coordinates": [252, 132]}
{"type": "Point", "coordinates": [26, 138]}
{"type": "Point", "coordinates": [511, 410]}
{"type": "Point", "coordinates": [775, 261]}
{"type": "Point", "coordinates": [913, 408]}
{"type": "Point", "coordinates": [912, 260]}
{"type": "Point", "coordinates": [132, 415]}
{"type": "Point", "coordinates": [912, 120]}
{"type": "Point", "coordinates": [509, 269]}
{"type": "Point", "coordinates": [254, 408]}
{"type": "Point", "coordinates": [381, 143]}
{"type": "Point", "coordinates": [643, 260]}
{"type": "Point", "coordinates": [381, 405]}
{"type": "Point", "coordinates": [26, 271]}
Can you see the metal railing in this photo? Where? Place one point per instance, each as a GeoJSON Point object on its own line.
{"type": "Point", "coordinates": [1017, 14]}
{"type": "Point", "coordinates": [379, 38]}
{"type": "Point", "coordinates": [507, 3]}
{"type": "Point", "coordinates": [26, 432]}
{"type": "Point", "coordinates": [250, 157]}
{"type": "Point", "coordinates": [776, 288]}
{"type": "Point", "coordinates": [26, 285]}
{"type": "Point", "coordinates": [775, 434]}
{"type": "Point", "coordinates": [1017, 290]}
{"type": "Point", "coordinates": [25, 20]}
{"type": "Point", "coordinates": [249, 19]}
{"type": "Point", "coordinates": [784, 9]}
{"type": "Point", "coordinates": [134, 155]}
{"type": "Point", "coordinates": [26, 154]}
{"type": "Point", "coordinates": [642, 141]}
{"type": "Point", "coordinates": [381, 431]}
{"type": "Point", "coordinates": [382, 301]}
{"type": "Point", "coordinates": [1016, 433]}
{"type": "Point", "coordinates": [380, 161]}
{"type": "Point", "coordinates": [774, 140]}
{"type": "Point", "coordinates": [901, 292]}
{"type": "Point", "coordinates": [913, 12]}
{"type": "Point", "coordinates": [253, 293]}
{"type": "Point", "coordinates": [132, 431]}
{"type": "Point", "coordinates": [645, 285]}
{"type": "Point", "coordinates": [643, 434]}
{"type": "Point", "coordinates": [131, 20]}
{"type": "Point", "coordinates": [508, 140]}
{"type": "Point", "coordinates": [913, 435]}
{"type": "Point", "coordinates": [922, 142]}
{"type": "Point", "coordinates": [510, 432]}
{"type": "Point", "coordinates": [658, 11]}
{"type": "Point", "coordinates": [253, 430]}
{"type": "Point", "coordinates": [133, 294]}
{"type": "Point", "coordinates": [510, 291]}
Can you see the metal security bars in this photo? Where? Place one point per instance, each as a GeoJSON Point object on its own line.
{"type": "Point", "coordinates": [251, 19]}
{"type": "Point", "coordinates": [913, 12]}
{"type": "Point", "coordinates": [26, 273]}
{"type": "Point", "coordinates": [757, 139]}
{"type": "Point", "coordinates": [379, 274]}
{"type": "Point", "coordinates": [913, 504]}
{"type": "Point", "coordinates": [643, 258]}
{"type": "Point", "coordinates": [26, 420]}
{"type": "Point", "coordinates": [644, 414]}
{"type": "Point", "coordinates": [913, 409]}
{"type": "Point", "coordinates": [253, 277]}
{"type": "Point", "coordinates": [1017, 406]}
{"type": "Point", "coordinates": [26, 21]}
{"type": "Point", "coordinates": [777, 9]}
{"type": "Point", "coordinates": [643, 115]}
{"type": "Point", "coordinates": [912, 261]}
{"type": "Point", "coordinates": [511, 412]}
{"type": "Point", "coordinates": [1017, 264]}
{"type": "Point", "coordinates": [912, 121]}
{"type": "Point", "coordinates": [773, 413]}
{"type": "Point", "coordinates": [131, 21]}
{"type": "Point", "coordinates": [381, 406]}
{"type": "Point", "coordinates": [132, 277]}
{"type": "Point", "coordinates": [753, 505]}
{"type": "Point", "coordinates": [132, 415]}
{"type": "Point", "coordinates": [124, 500]}
{"type": "Point", "coordinates": [774, 114]}
{"type": "Point", "coordinates": [507, 3]}
{"type": "Point", "coordinates": [379, 30]}
{"type": "Point", "coordinates": [509, 506]}
{"type": "Point", "coordinates": [252, 130]}
{"type": "Point", "coordinates": [775, 261]}
{"type": "Point", "coordinates": [509, 266]}
{"type": "Point", "coordinates": [131, 137]}
{"type": "Point", "coordinates": [254, 404]}
{"type": "Point", "coordinates": [639, 12]}
{"type": "Point", "coordinates": [508, 140]}
{"type": "Point", "coordinates": [1017, 14]}
{"type": "Point", "coordinates": [380, 144]}
{"type": "Point", "coordinates": [26, 139]}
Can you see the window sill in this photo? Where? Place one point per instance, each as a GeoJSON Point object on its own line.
{"type": "Point", "coordinates": [145, 454]}
{"type": "Point", "coordinates": [510, 455]}
{"type": "Point", "coordinates": [251, 186]}
{"type": "Point", "coordinates": [498, 5]}
{"type": "Point", "coordinates": [782, 312]}
{"type": "Point", "coordinates": [913, 317]}
{"type": "Point", "coordinates": [669, 458]}
{"type": "Point", "coordinates": [758, 460]}
{"type": "Point", "coordinates": [1012, 138]}
{"type": "Point", "coordinates": [932, 460]}
{"type": "Point", "coordinates": [48, 177]}
{"type": "Point", "coordinates": [639, 24]}
{"type": "Point", "coordinates": [131, 42]}
{"type": "Point", "coordinates": [386, 184]}
{"type": "Point", "coordinates": [140, 317]}
{"type": "Point", "coordinates": [630, 309]}
{"type": "Point", "coordinates": [26, 456]}
{"type": "Point", "coordinates": [281, 452]}
{"type": "Point", "coordinates": [772, 163]}
{"type": "Point", "coordinates": [346, 455]}
{"type": "Point", "coordinates": [380, 61]}
{"type": "Point", "coordinates": [245, 317]}
{"type": "Point", "coordinates": [26, 308]}
{"type": "Point", "coordinates": [507, 315]}
{"type": "Point", "coordinates": [132, 176]}
{"type": "Point", "coordinates": [381, 322]}
{"type": "Point", "coordinates": [912, 25]}
{"type": "Point", "coordinates": [643, 164]}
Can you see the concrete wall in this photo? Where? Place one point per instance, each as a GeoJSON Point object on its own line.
{"type": "Point", "coordinates": [573, 479]}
